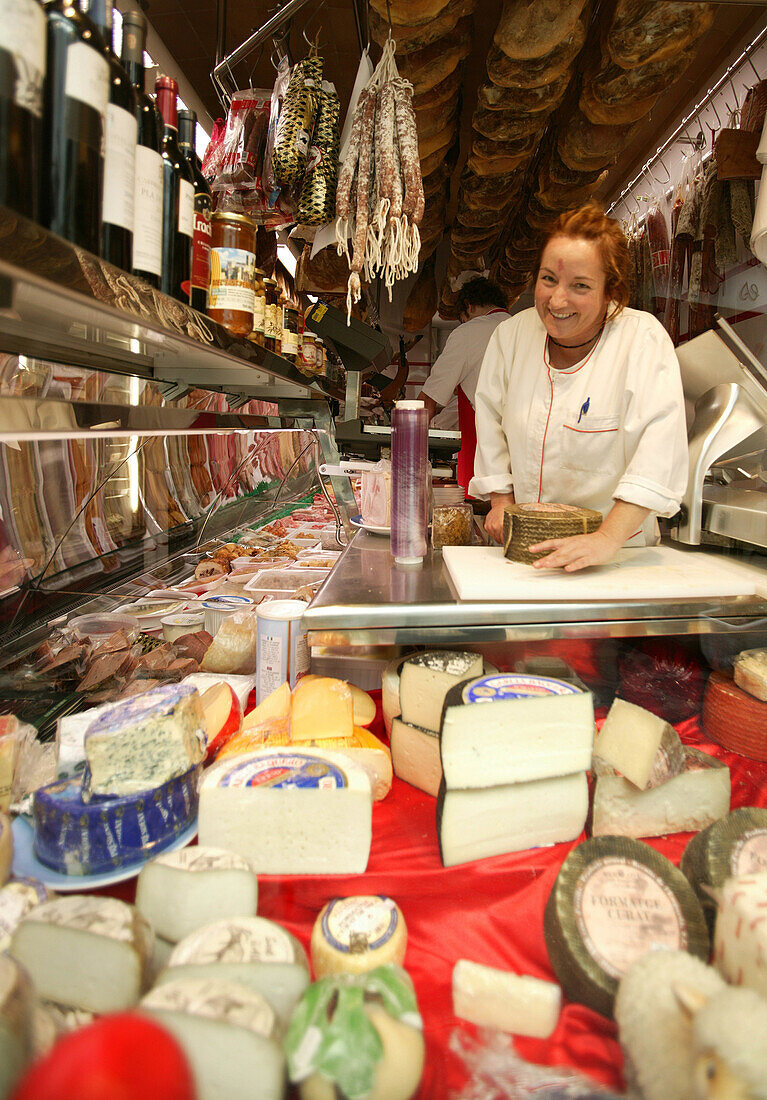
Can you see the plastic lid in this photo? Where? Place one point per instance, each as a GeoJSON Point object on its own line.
{"type": "Point", "coordinates": [409, 405]}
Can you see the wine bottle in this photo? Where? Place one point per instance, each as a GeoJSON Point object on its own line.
{"type": "Point", "coordinates": [178, 198]}
{"type": "Point", "coordinates": [74, 125]}
{"type": "Point", "coordinates": [22, 76]}
{"type": "Point", "coordinates": [147, 210]}
{"type": "Point", "coordinates": [203, 204]}
{"type": "Point", "coordinates": [119, 149]}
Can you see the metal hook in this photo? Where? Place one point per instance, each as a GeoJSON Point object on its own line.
{"type": "Point", "coordinates": [712, 105]}
{"type": "Point", "coordinates": [667, 180]}
{"type": "Point", "coordinates": [753, 66]}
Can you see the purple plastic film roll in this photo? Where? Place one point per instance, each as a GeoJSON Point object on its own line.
{"type": "Point", "coordinates": [409, 482]}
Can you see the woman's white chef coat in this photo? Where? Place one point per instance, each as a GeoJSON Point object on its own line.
{"type": "Point", "coordinates": [610, 428]}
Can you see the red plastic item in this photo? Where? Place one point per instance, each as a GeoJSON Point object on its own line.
{"type": "Point", "coordinates": [119, 1057]}
{"type": "Point", "coordinates": [663, 677]}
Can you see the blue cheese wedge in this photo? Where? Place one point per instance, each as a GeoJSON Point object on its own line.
{"type": "Point", "coordinates": [251, 951]}
{"type": "Point", "coordinates": [229, 1033]}
{"type": "Point", "coordinates": [142, 742]}
{"type": "Point", "coordinates": [85, 952]}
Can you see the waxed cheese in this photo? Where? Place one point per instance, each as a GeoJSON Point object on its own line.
{"type": "Point", "coordinates": [355, 934]}
{"type": "Point", "coordinates": [517, 1003]}
{"type": "Point", "coordinates": [181, 891]}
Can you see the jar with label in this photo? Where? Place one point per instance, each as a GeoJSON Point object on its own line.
{"type": "Point", "coordinates": [320, 360]}
{"type": "Point", "coordinates": [308, 363]}
{"type": "Point", "coordinates": [289, 331]}
{"type": "Point", "coordinates": [271, 311]}
{"type": "Point", "coordinates": [259, 310]}
{"type": "Point", "coordinates": [232, 272]}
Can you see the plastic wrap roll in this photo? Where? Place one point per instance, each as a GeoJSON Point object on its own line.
{"type": "Point", "coordinates": [524, 525]}
{"type": "Point", "coordinates": [410, 482]}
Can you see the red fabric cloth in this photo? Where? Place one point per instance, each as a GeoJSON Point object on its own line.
{"type": "Point", "coordinates": [490, 911]}
{"type": "Point", "coordinates": [465, 464]}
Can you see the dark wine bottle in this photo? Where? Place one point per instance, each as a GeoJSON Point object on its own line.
{"type": "Point", "coordinates": [74, 124]}
{"type": "Point", "coordinates": [147, 211]}
{"type": "Point", "coordinates": [22, 76]}
{"type": "Point", "coordinates": [203, 205]}
{"type": "Point", "coordinates": [178, 198]}
{"type": "Point", "coordinates": [119, 149]}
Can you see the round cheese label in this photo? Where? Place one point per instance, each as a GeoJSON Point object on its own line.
{"type": "Point", "coordinates": [282, 769]}
{"type": "Point", "coordinates": [622, 910]}
{"type": "Point", "coordinates": [749, 855]}
{"type": "Point", "coordinates": [359, 923]}
{"type": "Point", "coordinates": [237, 939]}
{"type": "Point", "coordinates": [488, 689]}
{"type": "Point", "coordinates": [228, 603]}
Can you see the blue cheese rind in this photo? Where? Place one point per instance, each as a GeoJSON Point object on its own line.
{"type": "Point", "coordinates": [142, 742]}
{"type": "Point", "coordinates": [75, 837]}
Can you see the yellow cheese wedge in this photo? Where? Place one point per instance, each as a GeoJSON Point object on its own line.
{"type": "Point", "coordinates": [321, 708]}
{"type": "Point", "coordinates": [362, 703]}
{"type": "Point", "coordinates": [276, 705]}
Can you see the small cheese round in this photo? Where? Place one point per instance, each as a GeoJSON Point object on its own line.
{"type": "Point", "coordinates": [363, 706]}
{"type": "Point", "coordinates": [353, 935]}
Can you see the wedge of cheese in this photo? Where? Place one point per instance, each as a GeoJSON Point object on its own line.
{"type": "Point", "coordinates": [415, 756]}
{"type": "Point", "coordinates": [86, 952]}
{"type": "Point", "coordinates": [425, 680]}
{"type": "Point", "coordinates": [321, 707]}
{"type": "Point", "coordinates": [276, 705]}
{"type": "Point", "coordinates": [640, 745]}
{"type": "Point", "coordinates": [517, 1003]}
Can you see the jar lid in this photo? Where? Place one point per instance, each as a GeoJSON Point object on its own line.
{"type": "Point", "coordinates": [270, 282]}
{"type": "Point", "coordinates": [242, 219]}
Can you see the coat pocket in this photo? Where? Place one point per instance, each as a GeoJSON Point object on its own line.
{"type": "Point", "coordinates": [592, 447]}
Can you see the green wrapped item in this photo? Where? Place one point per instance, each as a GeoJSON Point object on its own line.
{"type": "Point", "coordinates": [296, 122]}
{"type": "Point", "coordinates": [332, 1033]}
{"type": "Point", "coordinates": [317, 200]}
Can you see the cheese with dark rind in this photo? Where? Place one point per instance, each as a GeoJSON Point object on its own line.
{"type": "Point", "coordinates": [476, 824]}
{"type": "Point", "coordinates": [78, 838]}
{"type": "Point", "coordinates": [530, 727]}
{"type": "Point", "coordinates": [524, 525]}
{"type": "Point", "coordinates": [607, 888]}
{"type": "Point", "coordinates": [426, 678]}
{"type": "Point", "coordinates": [694, 799]}
{"type": "Point", "coordinates": [733, 718]}
{"type": "Point", "coordinates": [735, 845]}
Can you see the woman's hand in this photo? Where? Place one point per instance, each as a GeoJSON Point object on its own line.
{"type": "Point", "coordinates": [576, 552]}
{"type": "Point", "coordinates": [494, 518]}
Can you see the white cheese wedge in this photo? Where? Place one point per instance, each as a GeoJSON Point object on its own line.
{"type": "Point", "coordinates": [529, 728]}
{"type": "Point", "coordinates": [740, 938]}
{"type": "Point", "coordinates": [474, 824]}
{"type": "Point", "coordinates": [639, 745]}
{"type": "Point", "coordinates": [390, 704]}
{"type": "Point", "coordinates": [85, 952]}
{"type": "Point", "coordinates": [17, 1004]}
{"type": "Point", "coordinates": [289, 812]}
{"type": "Point", "coordinates": [17, 897]}
{"type": "Point", "coordinates": [229, 1034]}
{"type": "Point", "coordinates": [517, 1003]}
{"type": "Point", "coordinates": [140, 743]}
{"type": "Point", "coordinates": [425, 680]}
{"type": "Point", "coordinates": [181, 891]}
{"type": "Point", "coordinates": [352, 935]}
{"type": "Point", "coordinates": [415, 756]}
{"type": "Point", "coordinates": [6, 848]}
{"type": "Point", "coordinates": [688, 802]}
{"type": "Point", "coordinates": [253, 951]}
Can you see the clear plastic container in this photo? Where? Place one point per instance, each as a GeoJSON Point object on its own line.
{"type": "Point", "coordinates": [218, 608]}
{"type": "Point", "coordinates": [280, 582]}
{"type": "Point", "coordinates": [321, 560]}
{"type": "Point", "coordinates": [98, 627]}
{"type": "Point", "coordinates": [326, 555]}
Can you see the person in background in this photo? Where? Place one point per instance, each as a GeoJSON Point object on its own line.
{"type": "Point", "coordinates": [580, 400]}
{"type": "Point", "coordinates": [481, 308]}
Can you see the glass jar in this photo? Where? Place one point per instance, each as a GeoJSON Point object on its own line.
{"type": "Point", "coordinates": [320, 357]}
{"type": "Point", "coordinates": [232, 272]}
{"type": "Point", "coordinates": [289, 337]}
{"type": "Point", "coordinates": [271, 308]}
{"type": "Point", "coordinates": [451, 525]}
{"type": "Point", "coordinates": [308, 363]}
{"type": "Point", "coordinates": [259, 309]}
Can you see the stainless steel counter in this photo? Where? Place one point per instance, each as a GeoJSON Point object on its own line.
{"type": "Point", "coordinates": [369, 600]}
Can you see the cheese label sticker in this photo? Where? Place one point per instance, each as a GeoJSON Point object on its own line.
{"type": "Point", "coordinates": [352, 925]}
{"type": "Point", "coordinates": [750, 853]}
{"type": "Point", "coordinates": [489, 689]}
{"type": "Point", "coordinates": [286, 770]}
{"type": "Point", "coordinates": [623, 910]}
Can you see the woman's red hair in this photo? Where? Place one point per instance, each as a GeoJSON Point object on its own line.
{"type": "Point", "coordinates": [590, 223]}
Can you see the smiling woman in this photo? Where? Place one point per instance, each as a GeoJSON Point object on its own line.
{"type": "Point", "coordinates": [580, 400]}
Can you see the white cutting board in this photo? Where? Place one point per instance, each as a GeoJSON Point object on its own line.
{"type": "Point", "coordinates": [644, 573]}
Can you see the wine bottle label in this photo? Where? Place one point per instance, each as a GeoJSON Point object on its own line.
{"type": "Point", "coordinates": [22, 35]}
{"type": "Point", "coordinates": [120, 167]}
{"type": "Point", "coordinates": [201, 250]}
{"type": "Point", "coordinates": [186, 208]}
{"type": "Point", "coordinates": [87, 77]}
{"type": "Point", "coordinates": [232, 271]}
{"type": "Point", "coordinates": [147, 239]}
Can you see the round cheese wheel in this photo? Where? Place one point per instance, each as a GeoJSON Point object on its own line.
{"type": "Point", "coordinates": [352, 935]}
{"type": "Point", "coordinates": [733, 718]}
